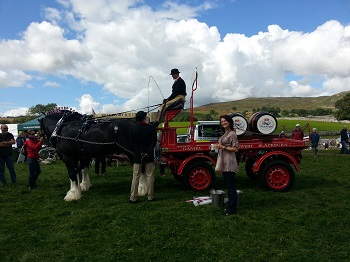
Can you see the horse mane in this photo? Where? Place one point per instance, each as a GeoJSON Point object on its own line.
{"type": "Point", "coordinates": [60, 110]}
{"type": "Point", "coordinates": [70, 112]}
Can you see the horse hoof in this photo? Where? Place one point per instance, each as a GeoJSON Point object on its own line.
{"type": "Point", "coordinates": [72, 195]}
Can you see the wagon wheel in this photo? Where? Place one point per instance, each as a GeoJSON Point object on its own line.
{"type": "Point", "coordinates": [199, 176]}
{"type": "Point", "coordinates": [53, 156]}
{"type": "Point", "coordinates": [249, 169]}
{"type": "Point", "coordinates": [44, 154]}
{"type": "Point", "coordinates": [277, 176]}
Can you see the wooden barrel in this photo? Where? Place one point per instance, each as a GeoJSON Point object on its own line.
{"type": "Point", "coordinates": [262, 122]}
{"type": "Point", "coordinates": [240, 123]}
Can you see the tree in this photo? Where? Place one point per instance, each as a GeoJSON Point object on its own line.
{"type": "Point", "coordinates": [39, 108]}
{"type": "Point", "coordinates": [208, 117]}
{"type": "Point", "coordinates": [343, 106]}
{"type": "Point", "coordinates": [213, 113]}
{"type": "Point", "coordinates": [285, 112]}
{"type": "Point", "coordinates": [3, 121]}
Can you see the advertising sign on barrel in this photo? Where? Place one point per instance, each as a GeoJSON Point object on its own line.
{"type": "Point", "coordinates": [240, 123]}
{"type": "Point", "coordinates": [262, 122]}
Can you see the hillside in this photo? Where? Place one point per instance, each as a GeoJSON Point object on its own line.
{"type": "Point", "coordinates": [248, 104]}
{"type": "Point", "coordinates": [284, 103]}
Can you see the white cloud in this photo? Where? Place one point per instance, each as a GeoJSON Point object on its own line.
{"type": "Point", "coordinates": [43, 49]}
{"type": "Point", "coordinates": [298, 89]}
{"type": "Point", "coordinates": [13, 78]}
{"type": "Point", "coordinates": [337, 84]}
{"type": "Point", "coordinates": [21, 111]}
{"type": "Point", "coordinates": [87, 104]}
{"type": "Point", "coordinates": [51, 84]}
{"type": "Point", "coordinates": [126, 42]}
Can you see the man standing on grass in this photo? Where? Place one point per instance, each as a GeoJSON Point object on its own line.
{"type": "Point", "coordinates": [315, 139]}
{"type": "Point", "coordinates": [344, 140]}
{"type": "Point", "coordinates": [144, 139]}
{"type": "Point", "coordinates": [6, 142]}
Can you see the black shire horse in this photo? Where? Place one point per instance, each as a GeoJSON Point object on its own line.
{"type": "Point", "coordinates": [78, 138]}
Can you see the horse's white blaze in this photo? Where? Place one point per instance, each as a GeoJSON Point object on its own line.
{"type": "Point", "coordinates": [85, 183]}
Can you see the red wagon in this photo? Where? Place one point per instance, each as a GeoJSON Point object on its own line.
{"type": "Point", "coordinates": [267, 158]}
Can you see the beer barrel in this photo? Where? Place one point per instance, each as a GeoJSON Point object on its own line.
{"type": "Point", "coordinates": [262, 122]}
{"type": "Point", "coordinates": [240, 123]}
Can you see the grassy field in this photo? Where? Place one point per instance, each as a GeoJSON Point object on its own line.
{"type": "Point", "coordinates": [287, 124]}
{"type": "Point", "coordinates": [309, 223]}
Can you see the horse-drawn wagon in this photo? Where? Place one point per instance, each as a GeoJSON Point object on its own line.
{"type": "Point", "coordinates": [267, 158]}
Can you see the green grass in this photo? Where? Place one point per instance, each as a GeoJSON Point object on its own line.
{"type": "Point", "coordinates": [289, 125]}
{"type": "Point", "coordinates": [309, 223]}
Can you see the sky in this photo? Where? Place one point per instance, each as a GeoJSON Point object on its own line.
{"type": "Point", "coordinates": [115, 56]}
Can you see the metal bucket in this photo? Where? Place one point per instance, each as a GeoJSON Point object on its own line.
{"type": "Point", "coordinates": [217, 197]}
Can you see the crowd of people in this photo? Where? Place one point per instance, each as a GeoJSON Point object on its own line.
{"type": "Point", "coordinates": [315, 139]}
{"type": "Point", "coordinates": [28, 143]}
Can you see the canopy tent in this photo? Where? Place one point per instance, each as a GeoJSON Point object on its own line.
{"type": "Point", "coordinates": [30, 125]}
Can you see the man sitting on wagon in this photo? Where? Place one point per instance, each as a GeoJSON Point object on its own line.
{"type": "Point", "coordinates": [177, 98]}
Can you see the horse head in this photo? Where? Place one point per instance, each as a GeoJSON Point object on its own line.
{"type": "Point", "coordinates": [52, 117]}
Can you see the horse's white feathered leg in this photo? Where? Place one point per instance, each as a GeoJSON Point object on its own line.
{"type": "Point", "coordinates": [75, 192]}
{"type": "Point", "coordinates": [71, 186]}
{"type": "Point", "coordinates": [85, 183]}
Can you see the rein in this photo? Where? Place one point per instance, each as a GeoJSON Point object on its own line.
{"type": "Point", "coordinates": [78, 139]}
{"type": "Point", "coordinates": [153, 107]}
{"type": "Point", "coordinates": [95, 143]}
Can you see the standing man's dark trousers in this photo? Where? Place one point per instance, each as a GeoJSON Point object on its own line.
{"type": "Point", "coordinates": [344, 148]}
{"type": "Point", "coordinates": [101, 161]}
{"type": "Point", "coordinates": [8, 160]}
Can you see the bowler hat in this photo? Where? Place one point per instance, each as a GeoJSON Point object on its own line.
{"type": "Point", "coordinates": [140, 116]}
{"type": "Point", "coordinates": [174, 71]}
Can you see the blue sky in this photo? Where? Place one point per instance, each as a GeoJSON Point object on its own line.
{"type": "Point", "coordinates": [101, 54]}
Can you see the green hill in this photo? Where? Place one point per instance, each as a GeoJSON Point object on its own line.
{"type": "Point", "coordinates": [284, 103]}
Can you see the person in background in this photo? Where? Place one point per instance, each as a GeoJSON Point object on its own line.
{"type": "Point", "coordinates": [315, 139]}
{"type": "Point", "coordinates": [6, 141]}
{"type": "Point", "coordinates": [100, 161]}
{"type": "Point", "coordinates": [158, 155]}
{"type": "Point", "coordinates": [178, 95]}
{"type": "Point", "coordinates": [227, 163]}
{"type": "Point", "coordinates": [282, 135]}
{"type": "Point", "coordinates": [144, 139]}
{"type": "Point", "coordinates": [297, 133]}
{"type": "Point", "coordinates": [20, 140]}
{"type": "Point", "coordinates": [33, 145]}
{"type": "Point", "coordinates": [344, 140]}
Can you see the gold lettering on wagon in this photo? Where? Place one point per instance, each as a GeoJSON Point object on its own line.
{"type": "Point", "coordinates": [241, 146]}
{"type": "Point", "coordinates": [195, 148]}
{"type": "Point", "coordinates": [274, 145]}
